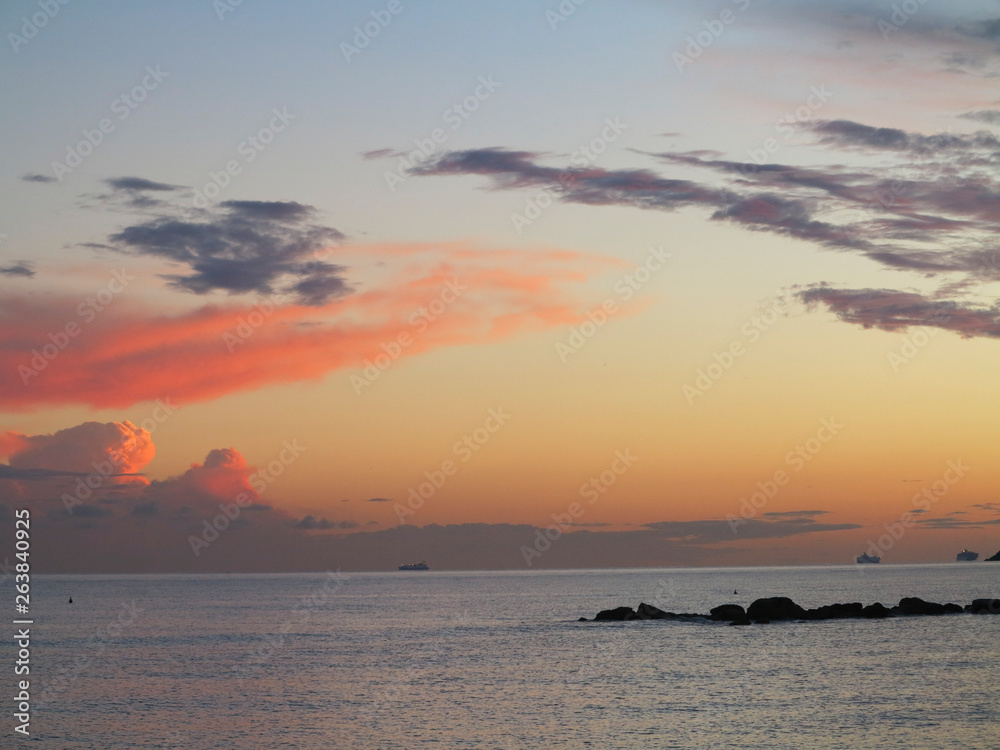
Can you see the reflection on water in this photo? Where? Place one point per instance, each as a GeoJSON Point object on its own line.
{"type": "Point", "coordinates": [497, 660]}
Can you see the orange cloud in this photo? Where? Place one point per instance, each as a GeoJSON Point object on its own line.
{"type": "Point", "coordinates": [130, 352]}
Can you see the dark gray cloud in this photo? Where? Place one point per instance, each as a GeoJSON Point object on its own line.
{"type": "Point", "coordinates": [927, 204]}
{"type": "Point", "coordinates": [955, 523]}
{"type": "Point", "coordinates": [984, 29]}
{"type": "Point", "coordinates": [988, 116]}
{"type": "Point", "coordinates": [38, 178]}
{"type": "Point", "coordinates": [139, 184]}
{"type": "Point", "coordinates": [849, 134]}
{"type": "Point", "coordinates": [995, 507]}
{"type": "Point", "coordinates": [146, 510]}
{"type": "Point", "coordinates": [11, 472]}
{"type": "Point", "coordinates": [311, 522]}
{"type": "Point", "coordinates": [239, 247]}
{"type": "Point", "coordinates": [639, 188]}
{"type": "Point", "coordinates": [795, 513]}
{"type": "Point", "coordinates": [134, 193]}
{"type": "Point", "coordinates": [714, 531]}
{"type": "Point", "coordinates": [891, 310]}
{"type": "Point", "coordinates": [35, 474]}
{"type": "Point", "coordinates": [91, 511]}
{"type": "Point", "coordinates": [19, 268]}
{"type": "Point", "coordinates": [379, 500]}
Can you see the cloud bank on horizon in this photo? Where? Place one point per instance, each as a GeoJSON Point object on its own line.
{"type": "Point", "coordinates": [74, 482]}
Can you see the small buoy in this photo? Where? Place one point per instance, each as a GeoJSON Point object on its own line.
{"type": "Point", "coordinates": [71, 600]}
{"type": "Point", "coordinates": [734, 591]}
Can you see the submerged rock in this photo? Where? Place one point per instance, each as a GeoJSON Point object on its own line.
{"type": "Point", "coordinates": [775, 608]}
{"type": "Point", "coordinates": [782, 608]}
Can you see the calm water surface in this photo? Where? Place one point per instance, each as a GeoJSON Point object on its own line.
{"type": "Point", "coordinates": [497, 660]}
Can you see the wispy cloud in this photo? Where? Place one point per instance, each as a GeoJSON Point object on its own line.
{"type": "Point", "coordinates": [932, 209]}
{"type": "Point", "coordinates": [19, 268]}
{"type": "Point", "coordinates": [715, 531]}
{"type": "Point", "coordinates": [150, 354]}
{"type": "Point", "coordinates": [890, 310]}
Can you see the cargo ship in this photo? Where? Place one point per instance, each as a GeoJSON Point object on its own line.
{"type": "Point", "coordinates": [866, 558]}
{"type": "Point", "coordinates": [414, 566]}
{"type": "Point", "coordinates": [966, 556]}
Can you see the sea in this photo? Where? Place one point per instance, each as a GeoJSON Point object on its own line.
{"type": "Point", "coordinates": [499, 660]}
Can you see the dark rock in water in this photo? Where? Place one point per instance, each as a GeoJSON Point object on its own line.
{"type": "Point", "coordinates": [649, 612]}
{"type": "Point", "coordinates": [912, 605]}
{"type": "Point", "coordinates": [782, 608]}
{"type": "Point", "coordinates": [995, 558]}
{"type": "Point", "coordinates": [876, 611]}
{"type": "Point", "coordinates": [984, 607]}
{"type": "Point", "coordinates": [728, 613]}
{"type": "Point", "coordinates": [775, 608]}
{"type": "Point", "coordinates": [617, 614]}
{"type": "Point", "coordinates": [582, 619]}
{"type": "Point", "coordinates": [836, 611]}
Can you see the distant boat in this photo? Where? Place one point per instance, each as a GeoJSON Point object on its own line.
{"type": "Point", "coordinates": [414, 566]}
{"type": "Point", "coordinates": [966, 556]}
{"type": "Point", "coordinates": [866, 558]}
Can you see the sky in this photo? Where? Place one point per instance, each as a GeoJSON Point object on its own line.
{"type": "Point", "coordinates": [512, 285]}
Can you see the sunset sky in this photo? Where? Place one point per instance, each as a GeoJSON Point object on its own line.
{"type": "Point", "coordinates": [317, 285]}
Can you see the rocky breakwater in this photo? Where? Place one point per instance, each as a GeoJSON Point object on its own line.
{"type": "Point", "coordinates": [778, 608]}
